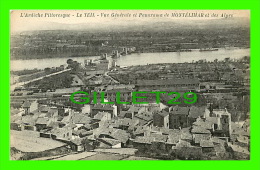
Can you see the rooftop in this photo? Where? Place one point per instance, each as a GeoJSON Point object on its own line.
{"type": "Point", "coordinates": [166, 82]}
{"type": "Point", "coordinates": [206, 144]}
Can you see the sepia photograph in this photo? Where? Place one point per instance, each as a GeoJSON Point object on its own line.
{"type": "Point", "coordinates": [130, 85]}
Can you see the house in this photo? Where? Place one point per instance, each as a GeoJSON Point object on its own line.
{"type": "Point", "coordinates": [14, 119]}
{"type": "Point", "coordinates": [184, 150]}
{"type": "Point", "coordinates": [200, 133]}
{"type": "Point", "coordinates": [112, 133]}
{"type": "Point", "coordinates": [144, 118]}
{"type": "Point", "coordinates": [134, 110]}
{"type": "Point", "coordinates": [64, 133]}
{"type": "Point", "coordinates": [79, 119]}
{"type": "Point", "coordinates": [26, 106]}
{"type": "Point", "coordinates": [140, 131]}
{"type": "Point", "coordinates": [214, 123]}
{"type": "Point", "coordinates": [178, 117]}
{"type": "Point", "coordinates": [126, 124]}
{"type": "Point", "coordinates": [42, 123]}
{"type": "Point", "coordinates": [204, 124]}
{"type": "Point", "coordinates": [186, 135]}
{"type": "Point", "coordinates": [94, 109]}
{"type": "Point", "coordinates": [220, 147]}
{"type": "Point", "coordinates": [47, 112]}
{"type": "Point", "coordinates": [100, 116]}
{"type": "Point", "coordinates": [242, 141]}
{"type": "Point", "coordinates": [77, 144]}
{"type": "Point", "coordinates": [126, 114]}
{"type": "Point", "coordinates": [239, 152]}
{"type": "Point", "coordinates": [158, 143]}
{"type": "Point", "coordinates": [196, 112]}
{"type": "Point", "coordinates": [143, 144]}
{"type": "Point", "coordinates": [107, 143]}
{"type": "Point", "coordinates": [225, 121]}
{"type": "Point", "coordinates": [16, 112]}
{"type": "Point", "coordinates": [28, 120]}
{"type": "Point", "coordinates": [161, 119]}
{"type": "Point", "coordinates": [173, 140]}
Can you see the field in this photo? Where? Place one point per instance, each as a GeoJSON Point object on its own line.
{"type": "Point", "coordinates": [29, 141]}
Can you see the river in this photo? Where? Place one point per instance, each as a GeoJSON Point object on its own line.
{"type": "Point", "coordinates": [138, 59]}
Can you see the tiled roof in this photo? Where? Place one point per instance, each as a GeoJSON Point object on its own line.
{"type": "Point", "coordinates": [196, 112]}
{"type": "Point", "coordinates": [66, 119]}
{"type": "Point", "coordinates": [133, 109]}
{"type": "Point", "coordinates": [151, 138]}
{"type": "Point", "coordinates": [180, 110]}
{"type": "Point", "coordinates": [100, 115]}
{"type": "Point", "coordinates": [158, 137]}
{"type": "Point", "coordinates": [203, 124]}
{"type": "Point", "coordinates": [42, 120]}
{"type": "Point", "coordinates": [15, 118]}
{"type": "Point", "coordinates": [14, 111]}
{"type": "Point", "coordinates": [77, 141]}
{"type": "Point", "coordinates": [53, 124]}
{"type": "Point", "coordinates": [118, 134]}
{"type": "Point", "coordinates": [142, 139]}
{"type": "Point", "coordinates": [163, 113]}
{"type": "Point", "coordinates": [169, 131]}
{"type": "Point", "coordinates": [44, 108]}
{"type": "Point", "coordinates": [58, 131]}
{"type": "Point", "coordinates": [206, 144]}
{"type": "Point", "coordinates": [198, 137]}
{"type": "Point", "coordinates": [218, 141]}
{"type": "Point", "coordinates": [81, 119]}
{"type": "Point", "coordinates": [140, 130]}
{"type": "Point", "coordinates": [174, 139]}
{"type": "Point", "coordinates": [239, 149]}
{"type": "Point", "coordinates": [102, 107]}
{"type": "Point", "coordinates": [182, 143]}
{"type": "Point", "coordinates": [243, 139]}
{"type": "Point", "coordinates": [147, 116]}
{"type": "Point", "coordinates": [186, 136]}
{"type": "Point", "coordinates": [109, 141]}
{"type": "Point", "coordinates": [199, 130]}
{"type": "Point", "coordinates": [127, 122]}
{"type": "Point", "coordinates": [28, 120]}
{"type": "Point", "coordinates": [123, 113]}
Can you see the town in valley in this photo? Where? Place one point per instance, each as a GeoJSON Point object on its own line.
{"type": "Point", "coordinates": [46, 125]}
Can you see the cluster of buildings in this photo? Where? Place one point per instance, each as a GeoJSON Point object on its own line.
{"type": "Point", "coordinates": [154, 129]}
{"type": "Point", "coordinates": [203, 130]}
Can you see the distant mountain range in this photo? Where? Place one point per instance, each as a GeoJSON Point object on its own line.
{"type": "Point", "coordinates": [137, 26]}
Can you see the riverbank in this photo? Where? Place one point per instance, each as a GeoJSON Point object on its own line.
{"type": "Point", "coordinates": [137, 58]}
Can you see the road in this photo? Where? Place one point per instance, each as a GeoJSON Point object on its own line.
{"type": "Point", "coordinates": [117, 82]}
{"type": "Point", "coordinates": [13, 86]}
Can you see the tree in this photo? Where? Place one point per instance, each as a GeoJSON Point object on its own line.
{"type": "Point", "coordinates": [47, 69]}
{"type": "Point", "coordinates": [69, 61]}
{"type": "Point", "coordinates": [227, 59]}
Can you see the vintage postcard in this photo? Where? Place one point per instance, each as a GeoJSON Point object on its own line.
{"type": "Point", "coordinates": [130, 85]}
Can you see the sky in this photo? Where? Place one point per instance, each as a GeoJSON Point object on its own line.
{"type": "Point", "coordinates": [21, 23]}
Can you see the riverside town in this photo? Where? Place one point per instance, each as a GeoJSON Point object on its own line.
{"type": "Point", "coordinates": [125, 88]}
